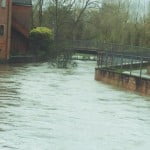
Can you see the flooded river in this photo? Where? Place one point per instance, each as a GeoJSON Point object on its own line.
{"type": "Point", "coordinates": [44, 108]}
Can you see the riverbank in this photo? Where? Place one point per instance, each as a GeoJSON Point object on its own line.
{"type": "Point", "coordinates": [32, 58]}
{"type": "Point", "coordinates": [24, 59]}
{"type": "Point", "coordinates": [125, 80]}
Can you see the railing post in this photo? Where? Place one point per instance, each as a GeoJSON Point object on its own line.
{"type": "Point", "coordinates": [98, 60]}
{"type": "Point", "coordinates": [131, 64]}
{"type": "Point", "coordinates": [112, 61]}
{"type": "Point", "coordinates": [121, 62]}
{"type": "Point", "coordinates": [141, 64]}
{"type": "Point", "coordinates": [106, 63]}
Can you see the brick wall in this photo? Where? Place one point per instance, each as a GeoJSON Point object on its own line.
{"type": "Point", "coordinates": [5, 20]}
{"type": "Point", "coordinates": [22, 18]}
{"type": "Point", "coordinates": [14, 39]}
{"type": "Point", "coordinates": [128, 82]}
{"type": "Point", "coordinates": [23, 15]}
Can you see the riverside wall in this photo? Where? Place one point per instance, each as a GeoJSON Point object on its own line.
{"type": "Point", "coordinates": [129, 82]}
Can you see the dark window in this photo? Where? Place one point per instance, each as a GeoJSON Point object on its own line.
{"type": "Point", "coordinates": [1, 30]}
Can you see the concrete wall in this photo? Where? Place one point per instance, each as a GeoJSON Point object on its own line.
{"type": "Point", "coordinates": [128, 82]}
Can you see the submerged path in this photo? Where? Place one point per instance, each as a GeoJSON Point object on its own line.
{"type": "Point", "coordinates": [137, 73]}
{"type": "Point", "coordinates": [42, 108]}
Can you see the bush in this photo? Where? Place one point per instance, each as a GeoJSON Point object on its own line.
{"type": "Point", "coordinates": [40, 41]}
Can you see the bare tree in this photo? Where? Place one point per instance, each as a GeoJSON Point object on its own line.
{"type": "Point", "coordinates": [40, 3]}
{"type": "Point", "coordinates": [38, 12]}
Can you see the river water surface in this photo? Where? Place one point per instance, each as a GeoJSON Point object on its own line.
{"type": "Point", "coordinates": [44, 108]}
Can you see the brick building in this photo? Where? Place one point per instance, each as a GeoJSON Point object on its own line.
{"type": "Point", "coordinates": [15, 24]}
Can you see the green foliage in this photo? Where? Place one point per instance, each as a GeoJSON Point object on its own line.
{"type": "Point", "coordinates": [41, 41]}
{"type": "Point", "coordinates": [115, 21]}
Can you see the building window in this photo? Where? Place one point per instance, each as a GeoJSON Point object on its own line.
{"type": "Point", "coordinates": [3, 3]}
{"type": "Point", "coordinates": [1, 30]}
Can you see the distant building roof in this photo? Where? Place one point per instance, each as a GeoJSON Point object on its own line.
{"type": "Point", "coordinates": [22, 2]}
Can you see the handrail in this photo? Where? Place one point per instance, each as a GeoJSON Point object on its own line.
{"type": "Point", "coordinates": [107, 47]}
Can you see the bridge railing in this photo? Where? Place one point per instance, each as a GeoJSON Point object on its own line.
{"type": "Point", "coordinates": [84, 44]}
{"type": "Point", "coordinates": [87, 45]}
{"type": "Point", "coordinates": [116, 57]}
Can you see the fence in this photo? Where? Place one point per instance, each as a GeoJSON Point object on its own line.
{"type": "Point", "coordinates": [132, 63]}
{"type": "Point", "coordinates": [121, 58]}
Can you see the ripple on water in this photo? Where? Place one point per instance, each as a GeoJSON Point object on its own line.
{"type": "Point", "coordinates": [44, 108]}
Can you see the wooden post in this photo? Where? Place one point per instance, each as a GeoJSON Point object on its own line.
{"type": "Point", "coordinates": [106, 61]}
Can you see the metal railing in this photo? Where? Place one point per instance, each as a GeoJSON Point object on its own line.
{"type": "Point", "coordinates": [111, 56]}
{"type": "Point", "coordinates": [124, 63]}
{"type": "Point", "coordinates": [110, 47]}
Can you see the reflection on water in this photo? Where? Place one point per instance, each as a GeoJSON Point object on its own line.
{"type": "Point", "coordinates": [43, 108]}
